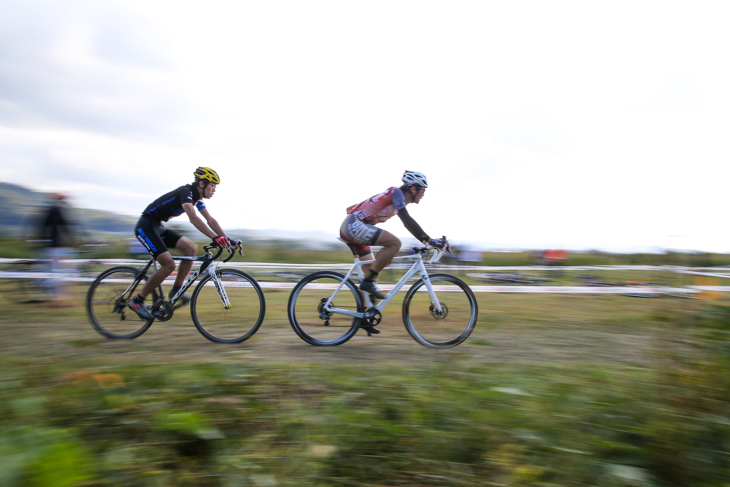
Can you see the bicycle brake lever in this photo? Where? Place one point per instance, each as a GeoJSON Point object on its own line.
{"type": "Point", "coordinates": [230, 256]}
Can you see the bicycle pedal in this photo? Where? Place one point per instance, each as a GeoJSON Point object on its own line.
{"type": "Point", "coordinates": [371, 330]}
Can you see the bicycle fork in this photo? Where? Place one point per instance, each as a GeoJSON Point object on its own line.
{"type": "Point", "coordinates": [213, 272]}
{"type": "Point", "coordinates": [435, 303]}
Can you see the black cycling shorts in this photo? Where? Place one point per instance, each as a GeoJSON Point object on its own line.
{"type": "Point", "coordinates": [154, 236]}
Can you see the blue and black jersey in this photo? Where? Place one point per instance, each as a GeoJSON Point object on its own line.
{"type": "Point", "coordinates": [170, 205]}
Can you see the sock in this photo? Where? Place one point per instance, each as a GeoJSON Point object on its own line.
{"type": "Point", "coordinates": [372, 275]}
{"type": "Point", "coordinates": [138, 299]}
{"type": "Point", "coordinates": [175, 289]}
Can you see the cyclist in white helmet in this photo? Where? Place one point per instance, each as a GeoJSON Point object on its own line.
{"type": "Point", "coordinates": [359, 232]}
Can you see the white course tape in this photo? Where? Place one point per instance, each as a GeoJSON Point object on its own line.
{"type": "Point", "coordinates": [445, 288]}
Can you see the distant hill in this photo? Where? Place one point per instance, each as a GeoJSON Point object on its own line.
{"type": "Point", "coordinates": [22, 207]}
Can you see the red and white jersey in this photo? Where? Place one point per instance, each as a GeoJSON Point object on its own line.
{"type": "Point", "coordinates": [380, 207]}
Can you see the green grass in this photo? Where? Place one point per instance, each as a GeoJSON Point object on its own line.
{"type": "Point", "coordinates": [207, 424]}
{"type": "Point", "coordinates": [550, 390]}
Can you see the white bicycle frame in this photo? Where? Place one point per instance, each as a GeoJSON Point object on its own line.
{"type": "Point", "coordinates": [419, 266]}
{"type": "Point", "coordinates": [212, 271]}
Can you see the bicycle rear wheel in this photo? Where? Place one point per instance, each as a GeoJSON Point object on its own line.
{"type": "Point", "coordinates": [316, 326]}
{"type": "Point", "coordinates": [106, 304]}
{"type": "Point", "coordinates": [440, 330]}
{"type": "Point", "coordinates": [237, 323]}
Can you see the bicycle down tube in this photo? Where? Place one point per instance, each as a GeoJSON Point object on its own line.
{"type": "Point", "coordinates": [211, 270]}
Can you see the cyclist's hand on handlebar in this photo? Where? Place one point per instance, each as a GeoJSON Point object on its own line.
{"type": "Point", "coordinates": [235, 244]}
{"type": "Point", "coordinates": [222, 242]}
{"type": "Point", "coordinates": [441, 243]}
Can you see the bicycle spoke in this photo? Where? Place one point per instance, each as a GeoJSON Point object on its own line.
{"type": "Point", "coordinates": [241, 320]}
{"type": "Point", "coordinates": [106, 305]}
{"type": "Point", "coordinates": [311, 321]}
{"type": "Point", "coordinates": [445, 329]}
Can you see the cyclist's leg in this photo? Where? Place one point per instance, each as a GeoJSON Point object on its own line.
{"type": "Point", "coordinates": [359, 236]}
{"type": "Point", "coordinates": [366, 258]}
{"type": "Point", "coordinates": [149, 233]}
{"type": "Point", "coordinates": [391, 245]}
{"type": "Point", "coordinates": [167, 265]}
{"type": "Point", "coordinates": [188, 248]}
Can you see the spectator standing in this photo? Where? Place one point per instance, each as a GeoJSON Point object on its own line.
{"type": "Point", "coordinates": [56, 237]}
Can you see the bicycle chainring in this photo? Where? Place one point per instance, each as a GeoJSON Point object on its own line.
{"type": "Point", "coordinates": [373, 317]}
{"type": "Point", "coordinates": [162, 311]}
{"type": "Point", "coordinates": [436, 314]}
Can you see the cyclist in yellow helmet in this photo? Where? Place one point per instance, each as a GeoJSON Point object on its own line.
{"type": "Point", "coordinates": [157, 239]}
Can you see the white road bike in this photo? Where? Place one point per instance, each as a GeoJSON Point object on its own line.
{"type": "Point", "coordinates": [439, 310]}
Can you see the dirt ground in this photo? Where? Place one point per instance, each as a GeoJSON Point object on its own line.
{"type": "Point", "coordinates": [512, 329]}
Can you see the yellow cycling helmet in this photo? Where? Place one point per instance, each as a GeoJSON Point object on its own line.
{"type": "Point", "coordinates": [208, 174]}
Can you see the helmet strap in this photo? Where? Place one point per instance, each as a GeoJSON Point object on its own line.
{"type": "Point", "coordinates": [200, 190]}
{"type": "Point", "coordinates": [410, 193]}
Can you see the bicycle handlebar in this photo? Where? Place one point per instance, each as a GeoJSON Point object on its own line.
{"type": "Point", "coordinates": [208, 247]}
{"type": "Point", "coordinates": [220, 251]}
{"type": "Point", "coordinates": [437, 251]}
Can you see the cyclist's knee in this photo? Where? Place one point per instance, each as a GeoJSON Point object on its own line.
{"type": "Point", "coordinates": [187, 246]}
{"type": "Point", "coordinates": [192, 249]}
{"type": "Point", "coordinates": [167, 264]}
{"type": "Point", "coordinates": [393, 243]}
{"type": "Point", "coordinates": [387, 239]}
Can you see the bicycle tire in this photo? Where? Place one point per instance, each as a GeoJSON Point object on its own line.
{"type": "Point", "coordinates": [107, 306]}
{"type": "Point", "coordinates": [449, 329]}
{"type": "Point", "coordinates": [305, 315]}
{"type": "Point", "coordinates": [241, 320]}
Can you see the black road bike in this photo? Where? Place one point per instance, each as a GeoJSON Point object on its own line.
{"type": "Point", "coordinates": [227, 305]}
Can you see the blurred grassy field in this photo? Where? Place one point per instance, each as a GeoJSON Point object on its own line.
{"type": "Point", "coordinates": [114, 246]}
{"type": "Point", "coordinates": [549, 390]}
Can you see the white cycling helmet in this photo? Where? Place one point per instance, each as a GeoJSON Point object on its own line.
{"type": "Point", "coordinates": [415, 177]}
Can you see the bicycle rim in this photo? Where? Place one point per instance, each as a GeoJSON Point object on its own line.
{"type": "Point", "coordinates": [311, 322]}
{"type": "Point", "coordinates": [106, 304]}
{"type": "Point", "coordinates": [445, 330]}
{"type": "Point", "coordinates": [241, 320]}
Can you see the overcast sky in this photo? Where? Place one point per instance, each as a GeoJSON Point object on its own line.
{"type": "Point", "coordinates": [538, 124]}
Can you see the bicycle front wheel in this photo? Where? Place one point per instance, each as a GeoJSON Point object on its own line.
{"type": "Point", "coordinates": [306, 311]}
{"type": "Point", "coordinates": [106, 304]}
{"type": "Point", "coordinates": [440, 330]}
{"type": "Point", "coordinates": [237, 323]}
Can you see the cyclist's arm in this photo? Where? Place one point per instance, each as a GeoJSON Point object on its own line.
{"type": "Point", "coordinates": [198, 223]}
{"type": "Point", "coordinates": [412, 226]}
{"type": "Point", "coordinates": [212, 222]}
